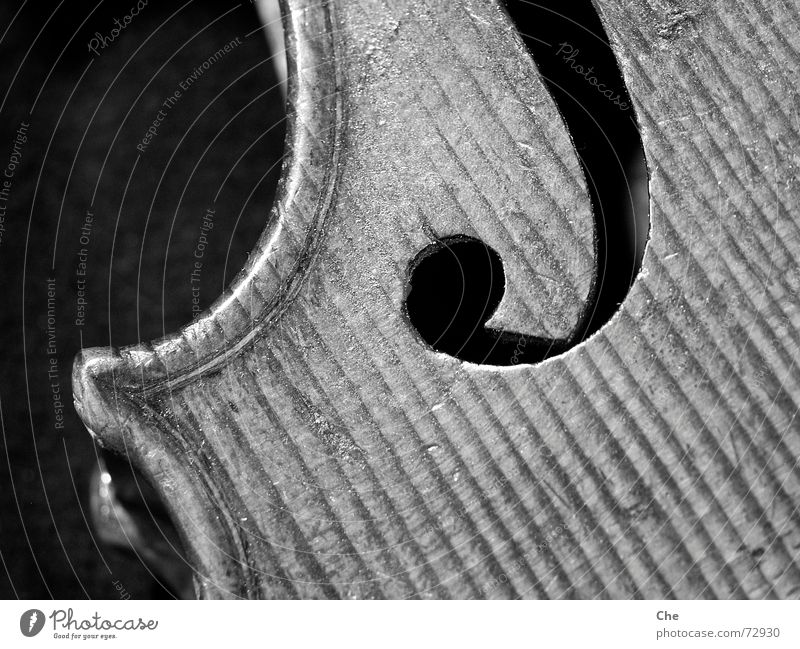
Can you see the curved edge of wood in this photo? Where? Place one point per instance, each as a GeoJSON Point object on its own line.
{"type": "Point", "coordinates": [276, 267]}
{"type": "Point", "coordinates": [124, 424]}
{"type": "Point", "coordinates": [110, 385]}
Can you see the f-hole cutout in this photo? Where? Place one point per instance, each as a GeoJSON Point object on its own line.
{"type": "Point", "coordinates": [564, 39]}
{"type": "Point", "coordinates": [456, 284]}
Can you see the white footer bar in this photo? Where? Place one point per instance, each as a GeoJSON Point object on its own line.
{"type": "Point", "coordinates": [390, 625]}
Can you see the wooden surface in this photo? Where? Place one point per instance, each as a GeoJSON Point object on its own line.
{"type": "Point", "coordinates": [310, 444]}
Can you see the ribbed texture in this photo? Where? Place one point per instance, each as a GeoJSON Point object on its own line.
{"type": "Point", "coordinates": [331, 454]}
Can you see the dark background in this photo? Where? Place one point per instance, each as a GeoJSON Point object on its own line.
{"type": "Point", "coordinates": [84, 128]}
{"type": "Point", "coordinates": [86, 114]}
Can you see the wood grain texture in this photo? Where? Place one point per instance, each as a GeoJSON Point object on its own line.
{"type": "Point", "coordinates": [310, 444]}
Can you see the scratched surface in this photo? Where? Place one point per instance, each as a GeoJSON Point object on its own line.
{"type": "Point", "coordinates": [309, 444]}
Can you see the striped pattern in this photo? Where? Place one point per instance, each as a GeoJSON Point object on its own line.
{"type": "Point", "coordinates": [310, 445]}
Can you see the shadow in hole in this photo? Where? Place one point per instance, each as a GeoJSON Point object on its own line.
{"type": "Point", "coordinates": [456, 284]}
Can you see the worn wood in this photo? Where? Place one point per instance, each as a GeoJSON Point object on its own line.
{"type": "Point", "coordinates": [310, 444]}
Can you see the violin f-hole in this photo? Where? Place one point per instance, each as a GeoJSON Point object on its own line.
{"type": "Point", "coordinates": [573, 56]}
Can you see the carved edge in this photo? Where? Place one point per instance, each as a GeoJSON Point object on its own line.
{"type": "Point", "coordinates": [501, 319]}
{"type": "Point", "coordinates": [275, 270]}
{"type": "Point", "coordinates": [124, 424]}
{"type": "Point", "coordinates": [111, 386]}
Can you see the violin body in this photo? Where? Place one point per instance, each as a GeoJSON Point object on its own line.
{"type": "Point", "coordinates": [309, 442]}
